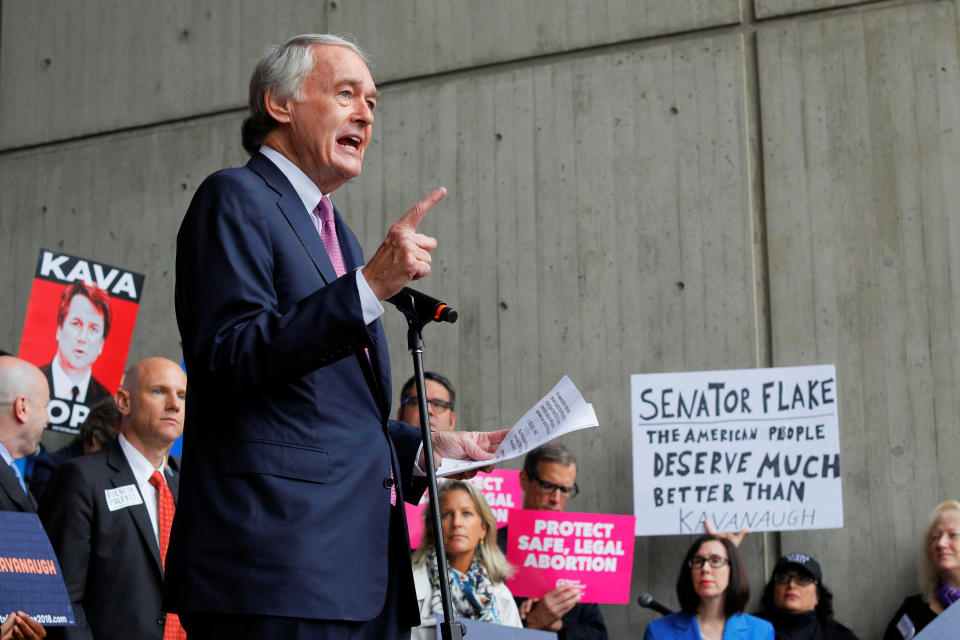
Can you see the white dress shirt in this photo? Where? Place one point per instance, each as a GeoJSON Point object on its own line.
{"type": "Point", "coordinates": [143, 470]}
{"type": "Point", "coordinates": [63, 385]}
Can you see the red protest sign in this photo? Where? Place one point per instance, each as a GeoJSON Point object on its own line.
{"type": "Point", "coordinates": [79, 323]}
{"type": "Point", "coordinates": [591, 551]}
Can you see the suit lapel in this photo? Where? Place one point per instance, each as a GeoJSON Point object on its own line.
{"type": "Point", "coordinates": [173, 481]}
{"type": "Point", "coordinates": [297, 217]}
{"type": "Point", "coordinates": [376, 370]}
{"type": "Point", "coordinates": [736, 627]}
{"type": "Point", "coordinates": [120, 476]}
{"type": "Point", "coordinates": [10, 484]}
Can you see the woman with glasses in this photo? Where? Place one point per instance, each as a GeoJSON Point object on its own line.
{"type": "Point", "coordinates": [798, 604]}
{"type": "Point", "coordinates": [939, 575]}
{"type": "Point", "coordinates": [476, 568]}
{"type": "Point", "coordinates": [713, 590]}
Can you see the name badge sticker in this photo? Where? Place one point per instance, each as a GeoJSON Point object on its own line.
{"type": "Point", "coordinates": [906, 628]}
{"type": "Point", "coordinates": [122, 497]}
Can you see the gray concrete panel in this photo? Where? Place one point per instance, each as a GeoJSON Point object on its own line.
{"type": "Point", "coordinates": [410, 38]}
{"type": "Point", "coordinates": [69, 69]}
{"type": "Point", "coordinates": [597, 225]}
{"type": "Point", "coordinates": [118, 200]}
{"type": "Point", "coordinates": [860, 126]}
{"type": "Point", "coordinates": [775, 8]}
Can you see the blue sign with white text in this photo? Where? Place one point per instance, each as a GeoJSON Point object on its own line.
{"type": "Point", "coordinates": [30, 577]}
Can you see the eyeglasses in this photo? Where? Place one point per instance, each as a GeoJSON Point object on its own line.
{"type": "Point", "coordinates": [697, 562]}
{"type": "Point", "coordinates": [801, 579]}
{"type": "Point", "coordinates": [547, 488]}
{"type": "Point", "coordinates": [435, 403]}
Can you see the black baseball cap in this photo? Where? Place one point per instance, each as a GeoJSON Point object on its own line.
{"type": "Point", "coordinates": [801, 560]}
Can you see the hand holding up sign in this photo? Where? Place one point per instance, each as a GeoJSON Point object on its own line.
{"type": "Point", "coordinates": [546, 612]}
{"type": "Point", "coordinates": [735, 538]}
{"type": "Point", "coordinates": [20, 625]}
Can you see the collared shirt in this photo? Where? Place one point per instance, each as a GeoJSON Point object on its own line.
{"type": "Point", "coordinates": [8, 460]}
{"type": "Point", "coordinates": [142, 471]}
{"type": "Point", "coordinates": [5, 454]}
{"type": "Point", "coordinates": [63, 385]}
{"type": "Point", "coordinates": [310, 195]}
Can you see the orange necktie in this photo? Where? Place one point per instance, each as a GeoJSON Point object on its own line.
{"type": "Point", "coordinates": [172, 630]}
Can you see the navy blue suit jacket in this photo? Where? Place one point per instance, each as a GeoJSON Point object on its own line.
{"type": "Point", "coordinates": [284, 502]}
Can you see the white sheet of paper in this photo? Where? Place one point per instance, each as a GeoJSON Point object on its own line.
{"type": "Point", "coordinates": [561, 411]}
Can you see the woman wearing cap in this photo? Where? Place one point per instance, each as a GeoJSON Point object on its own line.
{"type": "Point", "coordinates": [476, 568]}
{"type": "Point", "coordinates": [713, 590]}
{"type": "Point", "coordinates": [939, 575]}
{"type": "Point", "coordinates": [798, 603]}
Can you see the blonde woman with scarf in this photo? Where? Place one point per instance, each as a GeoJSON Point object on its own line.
{"type": "Point", "coordinates": [476, 567]}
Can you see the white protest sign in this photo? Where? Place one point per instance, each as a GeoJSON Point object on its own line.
{"type": "Point", "coordinates": [755, 448]}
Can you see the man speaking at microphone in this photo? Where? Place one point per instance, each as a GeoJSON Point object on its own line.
{"type": "Point", "coordinates": [289, 523]}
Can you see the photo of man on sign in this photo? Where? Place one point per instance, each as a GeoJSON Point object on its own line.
{"type": "Point", "coordinates": [79, 323]}
{"type": "Point", "coordinates": [83, 323]}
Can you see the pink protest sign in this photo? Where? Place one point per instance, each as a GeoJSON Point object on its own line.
{"type": "Point", "coordinates": [590, 550]}
{"type": "Point", "coordinates": [501, 488]}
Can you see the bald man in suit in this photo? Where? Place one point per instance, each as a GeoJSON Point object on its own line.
{"type": "Point", "coordinates": [24, 395]}
{"type": "Point", "coordinates": [104, 512]}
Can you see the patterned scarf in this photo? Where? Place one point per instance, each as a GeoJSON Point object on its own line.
{"type": "Point", "coordinates": [946, 594]}
{"type": "Point", "coordinates": [471, 593]}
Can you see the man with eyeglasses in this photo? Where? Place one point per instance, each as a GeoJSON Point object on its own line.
{"type": "Point", "coordinates": [440, 397]}
{"type": "Point", "coordinates": [549, 480]}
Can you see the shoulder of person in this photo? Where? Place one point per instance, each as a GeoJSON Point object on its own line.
{"type": "Point", "coordinates": [82, 465]}
{"type": "Point", "coordinates": [676, 620]}
{"type": "Point", "coordinates": [837, 631]}
{"type": "Point", "coordinates": [747, 621]}
{"type": "Point", "coordinates": [225, 189]}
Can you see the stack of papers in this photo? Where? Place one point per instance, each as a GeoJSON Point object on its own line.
{"type": "Point", "coordinates": [561, 411]}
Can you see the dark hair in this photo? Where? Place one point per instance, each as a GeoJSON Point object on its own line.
{"type": "Point", "coordinates": [410, 384]}
{"type": "Point", "coordinates": [97, 296]}
{"type": "Point", "coordinates": [737, 593]}
{"type": "Point", "coordinates": [551, 452]}
{"type": "Point", "coordinates": [101, 423]}
{"type": "Point", "coordinates": [824, 608]}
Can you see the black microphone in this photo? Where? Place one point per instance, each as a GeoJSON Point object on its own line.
{"type": "Point", "coordinates": [646, 600]}
{"type": "Point", "coordinates": [420, 306]}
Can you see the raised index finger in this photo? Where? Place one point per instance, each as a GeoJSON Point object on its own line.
{"type": "Point", "coordinates": [413, 217]}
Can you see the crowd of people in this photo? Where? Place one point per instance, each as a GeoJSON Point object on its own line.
{"type": "Point", "coordinates": [123, 442]}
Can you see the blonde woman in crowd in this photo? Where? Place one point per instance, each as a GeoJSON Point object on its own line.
{"type": "Point", "coordinates": [939, 575]}
{"type": "Point", "coordinates": [476, 567]}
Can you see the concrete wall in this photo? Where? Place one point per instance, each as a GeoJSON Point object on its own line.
{"type": "Point", "coordinates": [635, 186]}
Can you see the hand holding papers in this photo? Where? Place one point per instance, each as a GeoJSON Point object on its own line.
{"type": "Point", "coordinates": [561, 411]}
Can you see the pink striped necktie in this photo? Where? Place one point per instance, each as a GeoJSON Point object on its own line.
{"type": "Point", "coordinates": [328, 234]}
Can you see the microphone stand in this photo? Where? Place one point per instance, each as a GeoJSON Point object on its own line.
{"type": "Point", "coordinates": [450, 629]}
